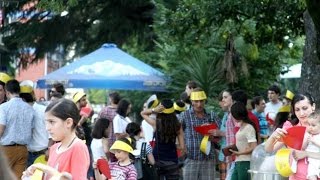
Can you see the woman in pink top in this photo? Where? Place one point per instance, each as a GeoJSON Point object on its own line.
{"type": "Point", "coordinates": [70, 156]}
{"type": "Point", "coordinates": [302, 107]}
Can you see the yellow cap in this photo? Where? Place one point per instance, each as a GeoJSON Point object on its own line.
{"type": "Point", "coordinates": [285, 109]}
{"type": "Point", "coordinates": [198, 95]}
{"type": "Point", "coordinates": [289, 95]}
{"type": "Point", "coordinates": [168, 111]}
{"type": "Point", "coordinates": [4, 77]}
{"type": "Point", "coordinates": [152, 102]}
{"type": "Point", "coordinates": [123, 146]}
{"type": "Point", "coordinates": [77, 96]}
{"type": "Point", "coordinates": [282, 161]}
{"type": "Point", "coordinates": [178, 108]}
{"type": "Point", "coordinates": [26, 89]}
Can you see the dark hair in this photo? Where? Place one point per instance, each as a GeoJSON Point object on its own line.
{"type": "Point", "coordinates": [133, 129]}
{"type": "Point", "coordinates": [280, 119]}
{"type": "Point", "coordinates": [59, 88]}
{"type": "Point", "coordinates": [27, 97]}
{"type": "Point", "coordinates": [220, 96]}
{"type": "Point", "coordinates": [240, 96]}
{"type": "Point", "coordinates": [239, 112]}
{"type": "Point", "coordinates": [123, 107]}
{"type": "Point", "coordinates": [132, 144]}
{"type": "Point", "coordinates": [297, 98]}
{"type": "Point", "coordinates": [192, 84]}
{"type": "Point", "coordinates": [13, 86]}
{"type": "Point", "coordinates": [275, 88]}
{"type": "Point", "coordinates": [63, 109]}
{"type": "Point", "coordinates": [114, 97]}
{"type": "Point", "coordinates": [2, 84]}
{"type": "Point", "coordinates": [99, 128]}
{"type": "Point", "coordinates": [185, 98]}
{"type": "Point", "coordinates": [256, 101]}
{"type": "Point", "coordinates": [167, 124]}
{"type": "Point", "coordinates": [56, 95]}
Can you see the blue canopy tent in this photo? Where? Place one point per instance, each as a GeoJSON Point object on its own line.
{"type": "Point", "coordinates": [107, 68]}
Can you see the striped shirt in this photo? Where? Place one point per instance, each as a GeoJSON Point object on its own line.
{"type": "Point", "coordinates": [263, 123]}
{"type": "Point", "coordinates": [193, 139]}
{"type": "Point", "coordinates": [119, 172]}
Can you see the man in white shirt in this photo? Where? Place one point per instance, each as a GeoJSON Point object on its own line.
{"type": "Point", "coordinates": [274, 104]}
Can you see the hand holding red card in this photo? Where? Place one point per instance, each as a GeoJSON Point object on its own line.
{"type": "Point", "coordinates": [294, 137]}
{"type": "Point", "coordinates": [205, 128]}
{"type": "Point", "coordinates": [103, 166]}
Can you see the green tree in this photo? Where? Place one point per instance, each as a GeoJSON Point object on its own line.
{"type": "Point", "coordinates": [86, 27]}
{"type": "Point", "coordinates": [245, 37]}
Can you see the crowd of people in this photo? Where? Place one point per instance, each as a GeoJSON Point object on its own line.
{"type": "Point", "coordinates": [56, 140]}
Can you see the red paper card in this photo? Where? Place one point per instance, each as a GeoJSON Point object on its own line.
{"type": "Point", "coordinates": [103, 167]}
{"type": "Point", "coordinates": [295, 136]}
{"type": "Point", "coordinates": [205, 128]}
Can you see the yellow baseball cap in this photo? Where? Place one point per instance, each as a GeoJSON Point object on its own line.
{"type": "Point", "coordinates": [77, 96]}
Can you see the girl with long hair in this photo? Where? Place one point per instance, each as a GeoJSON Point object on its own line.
{"type": "Point", "coordinates": [70, 157]}
{"type": "Point", "coordinates": [166, 129]}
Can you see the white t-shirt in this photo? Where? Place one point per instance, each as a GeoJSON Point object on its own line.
{"type": "Point", "coordinates": [148, 129]}
{"type": "Point", "coordinates": [272, 109]}
{"type": "Point", "coordinates": [244, 136]}
{"type": "Point", "coordinates": [97, 149]}
{"type": "Point", "coordinates": [314, 164]}
{"type": "Point", "coordinates": [120, 124]}
{"type": "Point", "coordinates": [40, 136]}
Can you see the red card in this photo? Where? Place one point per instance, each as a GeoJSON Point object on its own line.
{"type": "Point", "coordinates": [295, 136]}
{"type": "Point", "coordinates": [205, 128]}
{"type": "Point", "coordinates": [85, 111]}
{"type": "Point", "coordinates": [103, 166]}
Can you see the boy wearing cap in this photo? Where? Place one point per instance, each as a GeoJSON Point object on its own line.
{"type": "Point", "coordinates": [199, 164]}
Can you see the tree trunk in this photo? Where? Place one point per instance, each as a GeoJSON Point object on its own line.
{"type": "Point", "coordinates": [310, 70]}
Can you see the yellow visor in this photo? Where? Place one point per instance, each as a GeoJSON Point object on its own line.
{"type": "Point", "coordinates": [198, 95]}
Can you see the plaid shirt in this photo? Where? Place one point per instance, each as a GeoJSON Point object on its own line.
{"type": "Point", "coordinates": [109, 113]}
{"type": "Point", "coordinates": [231, 125]}
{"type": "Point", "coordinates": [193, 139]}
